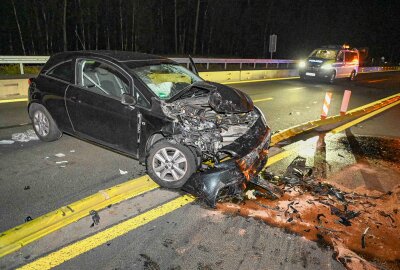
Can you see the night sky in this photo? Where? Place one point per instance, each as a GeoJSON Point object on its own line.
{"type": "Point", "coordinates": [225, 28]}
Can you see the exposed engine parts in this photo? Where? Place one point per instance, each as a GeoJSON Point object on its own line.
{"type": "Point", "coordinates": [199, 126]}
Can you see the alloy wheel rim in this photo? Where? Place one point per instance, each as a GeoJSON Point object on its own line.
{"type": "Point", "coordinates": [41, 123]}
{"type": "Point", "coordinates": [170, 164]}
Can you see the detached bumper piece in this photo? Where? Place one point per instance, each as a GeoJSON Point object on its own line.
{"type": "Point", "coordinates": [229, 178]}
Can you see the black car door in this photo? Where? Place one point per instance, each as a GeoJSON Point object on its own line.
{"type": "Point", "coordinates": [94, 105]}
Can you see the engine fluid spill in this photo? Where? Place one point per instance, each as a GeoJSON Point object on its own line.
{"type": "Point", "coordinates": [362, 224]}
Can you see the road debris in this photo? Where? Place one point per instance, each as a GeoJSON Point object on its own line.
{"type": "Point", "coordinates": [95, 217]}
{"type": "Point", "coordinates": [62, 162]}
{"type": "Point", "coordinates": [250, 194]}
{"type": "Point", "coordinates": [27, 187]}
{"type": "Point", "coordinates": [6, 142]}
{"type": "Point", "coordinates": [72, 151]}
{"type": "Point", "coordinates": [122, 172]}
{"type": "Point", "coordinates": [26, 136]}
{"type": "Point", "coordinates": [363, 237]}
{"type": "Point", "coordinates": [302, 202]}
{"type": "Point", "coordinates": [60, 155]}
{"type": "Point", "coordinates": [28, 218]}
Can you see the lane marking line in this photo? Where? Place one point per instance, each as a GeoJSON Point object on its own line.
{"type": "Point", "coordinates": [262, 80]}
{"type": "Point", "coordinates": [363, 118]}
{"type": "Point", "coordinates": [13, 100]}
{"type": "Point", "coordinates": [71, 251]}
{"type": "Point", "coordinates": [262, 99]}
{"type": "Point", "coordinates": [26, 233]}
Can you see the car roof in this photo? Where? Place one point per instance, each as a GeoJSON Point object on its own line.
{"type": "Point", "coordinates": [135, 59]}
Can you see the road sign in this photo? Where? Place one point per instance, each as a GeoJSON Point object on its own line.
{"type": "Point", "coordinates": [272, 43]}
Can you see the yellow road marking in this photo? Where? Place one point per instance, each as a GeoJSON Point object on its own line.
{"type": "Point", "coordinates": [374, 81]}
{"type": "Point", "coordinates": [263, 80]}
{"type": "Point", "coordinates": [22, 235]}
{"type": "Point", "coordinates": [13, 100]}
{"type": "Point", "coordinates": [278, 157]}
{"type": "Point", "coordinates": [71, 251]}
{"type": "Point", "coordinates": [263, 99]}
{"type": "Point", "coordinates": [363, 118]}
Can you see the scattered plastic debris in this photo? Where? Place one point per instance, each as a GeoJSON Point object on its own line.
{"type": "Point", "coordinates": [250, 194]}
{"type": "Point", "coordinates": [122, 172]}
{"type": "Point", "coordinates": [6, 142]}
{"type": "Point", "coordinates": [95, 217]}
{"type": "Point", "coordinates": [62, 162]}
{"type": "Point", "coordinates": [60, 155]}
{"type": "Point", "coordinates": [363, 237]}
{"type": "Point", "coordinates": [28, 218]}
{"type": "Point", "coordinates": [26, 136]}
{"type": "Point", "coordinates": [72, 151]}
{"type": "Point", "coordinates": [27, 187]}
{"type": "Point", "coordinates": [303, 203]}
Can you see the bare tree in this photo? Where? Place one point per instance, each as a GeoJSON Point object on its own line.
{"type": "Point", "coordinates": [196, 27]}
{"type": "Point", "coordinates": [65, 26]}
{"type": "Point", "coordinates": [176, 28]}
{"type": "Point", "coordinates": [19, 27]}
{"type": "Point", "coordinates": [121, 24]}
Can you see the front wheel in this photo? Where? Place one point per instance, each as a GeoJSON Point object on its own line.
{"type": "Point", "coordinates": [170, 165]}
{"type": "Point", "coordinates": [332, 77]}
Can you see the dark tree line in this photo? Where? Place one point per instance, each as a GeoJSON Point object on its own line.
{"type": "Point", "coordinates": [225, 28]}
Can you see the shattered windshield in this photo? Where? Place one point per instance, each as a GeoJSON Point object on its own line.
{"type": "Point", "coordinates": [166, 80]}
{"type": "Point", "coordinates": [324, 54]}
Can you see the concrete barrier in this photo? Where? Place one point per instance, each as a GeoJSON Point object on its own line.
{"type": "Point", "coordinates": [13, 88]}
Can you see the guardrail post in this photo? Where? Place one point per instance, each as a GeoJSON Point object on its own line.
{"type": "Point", "coordinates": [266, 65]}
{"type": "Point", "coordinates": [287, 65]}
{"type": "Point", "coordinates": [240, 66]}
{"type": "Point", "coordinates": [254, 66]}
{"type": "Point", "coordinates": [187, 65]}
{"type": "Point", "coordinates": [21, 68]}
{"type": "Point", "coordinates": [208, 65]}
{"type": "Point", "coordinates": [225, 65]}
{"type": "Point", "coordinates": [277, 65]}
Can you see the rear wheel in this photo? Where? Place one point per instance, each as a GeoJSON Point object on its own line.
{"type": "Point", "coordinates": [44, 125]}
{"type": "Point", "coordinates": [170, 165]}
{"type": "Point", "coordinates": [352, 76]}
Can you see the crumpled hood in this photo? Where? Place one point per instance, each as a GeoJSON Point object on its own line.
{"type": "Point", "coordinates": [222, 98]}
{"type": "Point", "coordinates": [226, 99]}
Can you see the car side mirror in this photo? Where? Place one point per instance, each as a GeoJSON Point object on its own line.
{"type": "Point", "coordinates": [128, 100]}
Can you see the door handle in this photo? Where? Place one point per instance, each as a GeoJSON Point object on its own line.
{"type": "Point", "coordinates": [74, 98]}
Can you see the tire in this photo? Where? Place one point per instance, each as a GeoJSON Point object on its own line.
{"type": "Point", "coordinates": [352, 76]}
{"type": "Point", "coordinates": [170, 165]}
{"type": "Point", "coordinates": [332, 78]}
{"type": "Point", "coordinates": [43, 124]}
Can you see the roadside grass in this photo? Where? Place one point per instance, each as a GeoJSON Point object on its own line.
{"type": "Point", "coordinates": [14, 69]}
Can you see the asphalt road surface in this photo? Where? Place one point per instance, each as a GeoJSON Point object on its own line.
{"type": "Point", "coordinates": [35, 179]}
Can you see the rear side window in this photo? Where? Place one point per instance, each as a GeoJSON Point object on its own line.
{"type": "Point", "coordinates": [351, 56]}
{"type": "Point", "coordinates": [64, 71]}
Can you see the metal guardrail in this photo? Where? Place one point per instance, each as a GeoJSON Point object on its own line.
{"type": "Point", "coordinates": [21, 60]}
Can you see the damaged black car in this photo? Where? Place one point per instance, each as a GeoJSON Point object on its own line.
{"type": "Point", "coordinates": [153, 109]}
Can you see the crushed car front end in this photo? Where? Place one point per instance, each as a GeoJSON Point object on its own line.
{"type": "Point", "coordinates": [228, 133]}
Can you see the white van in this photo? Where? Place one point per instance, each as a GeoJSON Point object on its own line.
{"type": "Point", "coordinates": [329, 63]}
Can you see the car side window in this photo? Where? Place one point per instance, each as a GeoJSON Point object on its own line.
{"type": "Point", "coordinates": [102, 79]}
{"type": "Point", "coordinates": [141, 100]}
{"type": "Point", "coordinates": [340, 56]}
{"type": "Point", "coordinates": [64, 71]}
